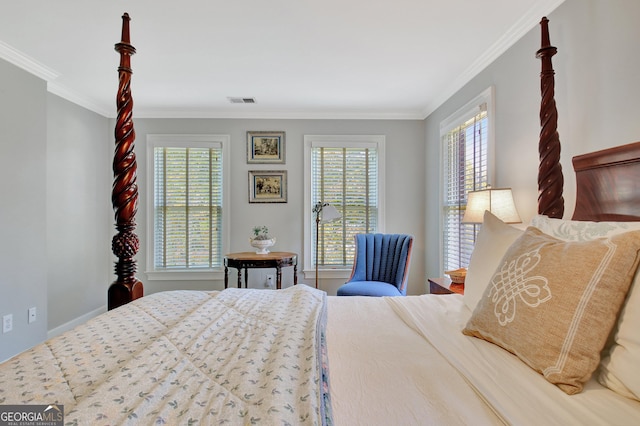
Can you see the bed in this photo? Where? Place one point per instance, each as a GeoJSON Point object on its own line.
{"type": "Point", "coordinates": [298, 356]}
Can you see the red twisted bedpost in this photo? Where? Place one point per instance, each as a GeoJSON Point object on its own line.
{"type": "Point", "coordinates": [550, 178]}
{"type": "Point", "coordinates": [124, 195]}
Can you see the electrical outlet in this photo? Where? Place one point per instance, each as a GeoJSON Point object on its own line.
{"type": "Point", "coordinates": [32, 315]}
{"type": "Point", "coordinates": [269, 282]}
{"type": "Point", "coordinates": [7, 323]}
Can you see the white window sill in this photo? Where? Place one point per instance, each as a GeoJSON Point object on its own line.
{"type": "Point", "coordinates": [186, 275]}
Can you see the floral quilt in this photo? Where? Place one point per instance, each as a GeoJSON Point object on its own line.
{"type": "Point", "coordinates": [240, 356]}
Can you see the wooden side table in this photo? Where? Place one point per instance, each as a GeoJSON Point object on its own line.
{"type": "Point", "coordinates": [249, 259]}
{"type": "Point", "coordinates": [444, 286]}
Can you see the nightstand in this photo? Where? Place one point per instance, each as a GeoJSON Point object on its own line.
{"type": "Point", "coordinates": [444, 286]}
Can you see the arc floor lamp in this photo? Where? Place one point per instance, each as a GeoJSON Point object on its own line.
{"type": "Point", "coordinates": [325, 213]}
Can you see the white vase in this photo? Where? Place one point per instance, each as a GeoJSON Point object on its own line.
{"type": "Point", "coordinates": [262, 245]}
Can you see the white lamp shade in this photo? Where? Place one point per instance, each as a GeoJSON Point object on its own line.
{"type": "Point", "coordinates": [499, 201]}
{"type": "Point", "coordinates": [329, 214]}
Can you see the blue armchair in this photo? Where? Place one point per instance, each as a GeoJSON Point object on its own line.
{"type": "Point", "coordinates": [380, 267]}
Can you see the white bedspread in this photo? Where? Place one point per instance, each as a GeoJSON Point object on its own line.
{"type": "Point", "coordinates": [406, 361]}
{"type": "Point", "coordinates": [183, 357]}
{"type": "Point", "coordinates": [382, 372]}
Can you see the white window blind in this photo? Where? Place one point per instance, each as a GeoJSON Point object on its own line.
{"type": "Point", "coordinates": [187, 206]}
{"type": "Point", "coordinates": [348, 173]}
{"type": "Point", "coordinates": [347, 178]}
{"type": "Point", "coordinates": [465, 144]}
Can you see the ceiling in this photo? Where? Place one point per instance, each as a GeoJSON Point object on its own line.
{"type": "Point", "coordinates": [386, 59]}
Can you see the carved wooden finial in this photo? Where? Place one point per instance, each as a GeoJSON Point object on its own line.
{"type": "Point", "coordinates": [125, 28]}
{"type": "Point", "coordinates": [544, 27]}
{"type": "Point", "coordinates": [125, 48]}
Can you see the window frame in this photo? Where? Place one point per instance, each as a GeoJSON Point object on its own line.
{"type": "Point", "coordinates": [337, 141]}
{"type": "Point", "coordinates": [460, 116]}
{"type": "Point", "coordinates": [185, 141]}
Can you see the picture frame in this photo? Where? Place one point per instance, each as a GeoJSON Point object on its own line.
{"type": "Point", "coordinates": [267, 186]}
{"type": "Point", "coordinates": [265, 147]}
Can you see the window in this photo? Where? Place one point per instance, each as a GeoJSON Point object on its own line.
{"type": "Point", "coordinates": [345, 171]}
{"type": "Point", "coordinates": [467, 155]}
{"type": "Point", "coordinates": [186, 217]}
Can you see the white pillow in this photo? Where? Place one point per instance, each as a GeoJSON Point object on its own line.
{"type": "Point", "coordinates": [494, 238]}
{"type": "Point", "coordinates": [578, 230]}
{"type": "Point", "coordinates": [619, 369]}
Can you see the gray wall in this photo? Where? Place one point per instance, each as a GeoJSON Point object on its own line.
{"type": "Point", "coordinates": [405, 196]}
{"type": "Point", "coordinates": [79, 218]}
{"type": "Point", "coordinates": [55, 215]}
{"type": "Point", "coordinates": [597, 91]}
{"type": "Point", "coordinates": [23, 244]}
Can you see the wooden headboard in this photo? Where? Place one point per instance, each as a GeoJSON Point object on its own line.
{"type": "Point", "coordinates": [608, 184]}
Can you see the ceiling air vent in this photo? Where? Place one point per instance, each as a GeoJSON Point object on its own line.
{"type": "Point", "coordinates": [237, 100]}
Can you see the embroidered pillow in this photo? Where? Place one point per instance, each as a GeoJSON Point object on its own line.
{"type": "Point", "coordinates": [494, 238]}
{"type": "Point", "coordinates": [553, 303]}
{"type": "Point", "coordinates": [619, 366]}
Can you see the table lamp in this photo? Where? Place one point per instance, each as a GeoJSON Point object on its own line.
{"type": "Point", "coordinates": [499, 201]}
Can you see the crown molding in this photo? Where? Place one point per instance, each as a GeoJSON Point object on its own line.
{"type": "Point", "coordinates": [79, 99]}
{"type": "Point", "coordinates": [509, 38]}
{"type": "Point", "coordinates": [27, 63]}
{"type": "Point", "coordinates": [282, 114]}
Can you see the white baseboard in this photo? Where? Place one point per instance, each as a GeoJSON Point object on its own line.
{"type": "Point", "coordinates": [74, 322]}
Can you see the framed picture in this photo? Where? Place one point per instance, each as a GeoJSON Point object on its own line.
{"type": "Point", "coordinates": [267, 186]}
{"type": "Point", "coordinates": [265, 147]}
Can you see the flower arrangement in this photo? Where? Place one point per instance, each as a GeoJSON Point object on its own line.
{"type": "Point", "coordinates": [261, 240]}
{"type": "Point", "coordinates": [261, 233]}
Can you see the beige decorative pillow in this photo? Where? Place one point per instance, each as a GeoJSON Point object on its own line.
{"type": "Point", "coordinates": [553, 303]}
{"type": "Point", "coordinates": [619, 369]}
